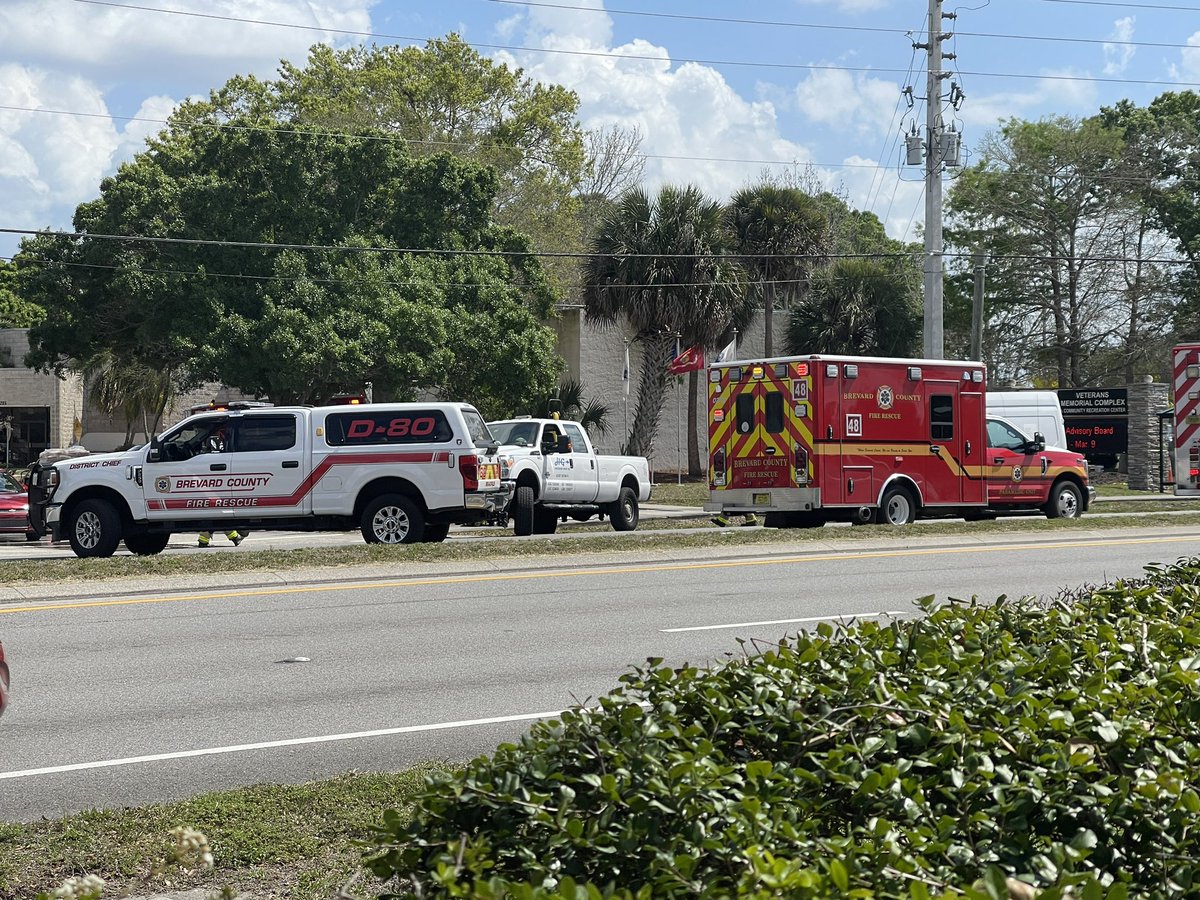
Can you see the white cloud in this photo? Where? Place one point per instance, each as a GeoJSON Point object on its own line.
{"type": "Point", "coordinates": [1118, 56]}
{"type": "Point", "coordinates": [115, 40]}
{"type": "Point", "coordinates": [697, 129]}
{"type": "Point", "coordinates": [849, 101]}
{"type": "Point", "coordinates": [1188, 67]}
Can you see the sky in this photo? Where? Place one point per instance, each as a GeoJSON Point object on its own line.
{"type": "Point", "coordinates": [720, 92]}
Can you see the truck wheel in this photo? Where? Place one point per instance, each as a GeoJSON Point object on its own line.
{"type": "Point", "coordinates": [898, 507]}
{"type": "Point", "coordinates": [624, 513]}
{"type": "Point", "coordinates": [1065, 502]}
{"type": "Point", "coordinates": [392, 519]}
{"type": "Point", "coordinates": [545, 521]}
{"type": "Point", "coordinates": [435, 534]}
{"type": "Point", "coordinates": [94, 529]}
{"type": "Point", "coordinates": [146, 544]}
{"type": "Point", "coordinates": [524, 505]}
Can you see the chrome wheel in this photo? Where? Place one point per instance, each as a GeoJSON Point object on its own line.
{"type": "Point", "coordinates": [88, 530]}
{"type": "Point", "coordinates": [391, 525]}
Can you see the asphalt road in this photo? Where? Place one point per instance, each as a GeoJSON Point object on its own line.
{"type": "Point", "coordinates": [148, 696]}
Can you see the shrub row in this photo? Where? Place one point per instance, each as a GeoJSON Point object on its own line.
{"type": "Point", "coordinates": [974, 749]}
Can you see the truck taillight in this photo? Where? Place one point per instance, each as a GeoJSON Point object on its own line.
{"type": "Point", "coordinates": [800, 461]}
{"type": "Point", "coordinates": [718, 462]}
{"type": "Point", "coordinates": [468, 468]}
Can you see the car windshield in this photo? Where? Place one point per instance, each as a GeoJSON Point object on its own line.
{"type": "Point", "coordinates": [519, 434]}
{"type": "Point", "coordinates": [9, 485]}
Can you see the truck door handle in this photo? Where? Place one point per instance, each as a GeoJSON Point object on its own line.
{"type": "Point", "coordinates": [572, 463]}
{"type": "Point", "coordinates": [217, 467]}
{"type": "Point", "coordinates": [968, 448]}
{"type": "Point", "coordinates": [935, 449]}
{"type": "Point", "coordinates": [291, 463]}
{"type": "Point", "coordinates": [998, 460]}
{"type": "Point", "coordinates": [770, 451]}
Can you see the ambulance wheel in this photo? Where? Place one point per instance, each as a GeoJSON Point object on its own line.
{"type": "Point", "coordinates": [545, 521]}
{"type": "Point", "coordinates": [898, 507]}
{"type": "Point", "coordinates": [524, 506]}
{"type": "Point", "coordinates": [146, 544]}
{"type": "Point", "coordinates": [435, 534]}
{"type": "Point", "coordinates": [624, 513]}
{"type": "Point", "coordinates": [94, 529]}
{"type": "Point", "coordinates": [1065, 501]}
{"type": "Point", "coordinates": [392, 519]}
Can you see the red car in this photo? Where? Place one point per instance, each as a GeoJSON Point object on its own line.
{"type": "Point", "coordinates": [3, 681]}
{"type": "Point", "coordinates": [14, 508]}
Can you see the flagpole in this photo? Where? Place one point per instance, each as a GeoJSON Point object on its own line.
{"type": "Point", "coordinates": [678, 426]}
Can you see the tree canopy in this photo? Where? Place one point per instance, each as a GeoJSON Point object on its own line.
{"type": "Point", "coordinates": [296, 264]}
{"type": "Point", "coordinates": [15, 312]}
{"type": "Point", "coordinates": [444, 97]}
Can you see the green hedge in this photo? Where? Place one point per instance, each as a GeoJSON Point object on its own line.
{"type": "Point", "coordinates": [973, 749]}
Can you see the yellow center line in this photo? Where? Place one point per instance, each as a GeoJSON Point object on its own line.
{"type": "Point", "coordinates": [51, 605]}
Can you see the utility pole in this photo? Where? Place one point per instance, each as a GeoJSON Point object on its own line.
{"type": "Point", "coordinates": [940, 148]}
{"type": "Point", "coordinates": [978, 261]}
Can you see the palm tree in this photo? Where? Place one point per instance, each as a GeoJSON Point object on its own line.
{"type": "Point", "coordinates": [781, 232]}
{"type": "Point", "coordinates": [590, 413]}
{"type": "Point", "coordinates": [859, 306]}
{"type": "Point", "coordinates": [661, 266]}
{"type": "Point", "coordinates": [129, 389]}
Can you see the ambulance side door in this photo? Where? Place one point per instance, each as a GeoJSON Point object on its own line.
{"type": "Point", "coordinates": [269, 471]}
{"type": "Point", "coordinates": [186, 470]}
{"type": "Point", "coordinates": [944, 473]}
{"type": "Point", "coordinates": [1009, 460]}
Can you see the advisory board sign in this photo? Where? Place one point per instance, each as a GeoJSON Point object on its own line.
{"type": "Point", "coordinates": [1096, 420]}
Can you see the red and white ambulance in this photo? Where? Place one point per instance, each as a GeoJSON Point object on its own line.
{"type": "Point", "coordinates": [811, 439]}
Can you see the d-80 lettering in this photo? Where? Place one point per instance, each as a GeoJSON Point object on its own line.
{"type": "Point", "coordinates": [401, 426]}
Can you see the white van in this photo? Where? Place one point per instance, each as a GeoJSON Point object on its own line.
{"type": "Point", "coordinates": [1031, 411]}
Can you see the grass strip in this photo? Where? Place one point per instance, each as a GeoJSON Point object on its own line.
{"type": "Point", "coordinates": [295, 841]}
{"type": "Point", "coordinates": [599, 540]}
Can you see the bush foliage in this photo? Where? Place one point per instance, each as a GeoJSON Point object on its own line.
{"type": "Point", "coordinates": [979, 750]}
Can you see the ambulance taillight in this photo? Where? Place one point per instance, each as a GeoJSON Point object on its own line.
{"type": "Point", "coordinates": [719, 467]}
{"type": "Point", "coordinates": [800, 462]}
{"type": "Point", "coordinates": [1194, 462]}
{"type": "Point", "coordinates": [468, 468]}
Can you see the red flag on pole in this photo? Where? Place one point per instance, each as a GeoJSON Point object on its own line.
{"type": "Point", "coordinates": [690, 360]}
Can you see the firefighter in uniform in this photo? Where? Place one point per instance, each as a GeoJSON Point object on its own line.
{"type": "Point", "coordinates": [215, 443]}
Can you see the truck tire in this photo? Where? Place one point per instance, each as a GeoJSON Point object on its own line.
{"type": "Point", "coordinates": [392, 519]}
{"type": "Point", "coordinates": [897, 507]}
{"type": "Point", "coordinates": [624, 513]}
{"type": "Point", "coordinates": [94, 529]}
{"type": "Point", "coordinates": [1066, 502]}
{"type": "Point", "coordinates": [524, 506]}
{"type": "Point", "coordinates": [435, 534]}
{"type": "Point", "coordinates": [545, 521]}
{"type": "Point", "coordinates": [142, 544]}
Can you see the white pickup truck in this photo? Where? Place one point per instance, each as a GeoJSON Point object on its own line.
{"type": "Point", "coordinates": [556, 474]}
{"type": "Point", "coordinates": [401, 473]}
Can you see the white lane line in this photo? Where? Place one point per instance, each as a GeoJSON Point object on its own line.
{"type": "Point", "coordinates": [267, 745]}
{"type": "Point", "coordinates": [869, 615]}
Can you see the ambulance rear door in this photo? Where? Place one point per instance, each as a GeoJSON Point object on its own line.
{"type": "Point", "coordinates": [1185, 369]}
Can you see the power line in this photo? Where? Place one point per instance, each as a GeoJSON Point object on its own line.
{"type": "Point", "coordinates": [860, 28]}
{"type": "Point", "coordinates": [1127, 5]}
{"type": "Point", "coordinates": [811, 67]}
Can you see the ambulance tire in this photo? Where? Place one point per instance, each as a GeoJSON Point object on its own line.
{"type": "Point", "coordinates": [624, 513]}
{"type": "Point", "coordinates": [94, 529]}
{"type": "Point", "coordinates": [545, 521]}
{"type": "Point", "coordinates": [435, 534]}
{"type": "Point", "coordinates": [898, 507]}
{"type": "Point", "coordinates": [1065, 501]}
{"type": "Point", "coordinates": [524, 507]}
{"type": "Point", "coordinates": [392, 519]}
{"type": "Point", "coordinates": [146, 544]}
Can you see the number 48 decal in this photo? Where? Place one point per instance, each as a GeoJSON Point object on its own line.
{"type": "Point", "coordinates": [854, 425]}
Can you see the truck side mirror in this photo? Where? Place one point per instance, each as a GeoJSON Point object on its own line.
{"type": "Point", "coordinates": [154, 454]}
{"type": "Point", "coordinates": [1039, 442]}
{"type": "Point", "coordinates": [564, 443]}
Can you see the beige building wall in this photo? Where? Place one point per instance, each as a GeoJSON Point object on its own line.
{"type": "Point", "coordinates": [25, 393]}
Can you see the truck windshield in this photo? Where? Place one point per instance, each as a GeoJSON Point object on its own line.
{"type": "Point", "coordinates": [519, 434]}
